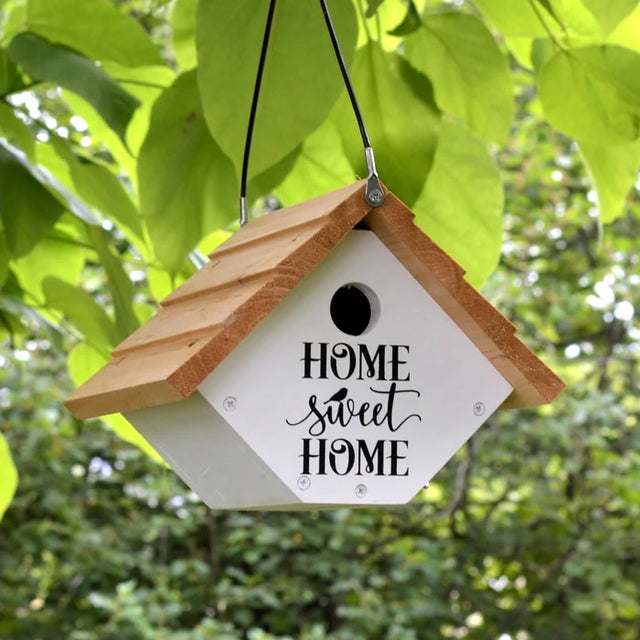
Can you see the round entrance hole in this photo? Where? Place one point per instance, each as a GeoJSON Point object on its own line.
{"type": "Point", "coordinates": [354, 308]}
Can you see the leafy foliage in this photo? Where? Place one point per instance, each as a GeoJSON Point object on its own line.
{"type": "Point", "coordinates": [121, 128]}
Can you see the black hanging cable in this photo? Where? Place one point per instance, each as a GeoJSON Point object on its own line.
{"type": "Point", "coordinates": [252, 113]}
{"type": "Point", "coordinates": [345, 74]}
{"type": "Point", "coordinates": [374, 195]}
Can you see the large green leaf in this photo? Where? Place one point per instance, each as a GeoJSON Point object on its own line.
{"type": "Point", "coordinates": [146, 84]}
{"type": "Point", "coordinates": [609, 13]}
{"type": "Point", "coordinates": [101, 133]}
{"type": "Point", "coordinates": [8, 476]}
{"type": "Point", "coordinates": [470, 76]}
{"type": "Point", "coordinates": [614, 169]}
{"type": "Point", "coordinates": [120, 284]}
{"type": "Point", "coordinates": [264, 183]}
{"type": "Point", "coordinates": [390, 13]}
{"type": "Point", "coordinates": [45, 61]}
{"type": "Point", "coordinates": [372, 7]}
{"type": "Point", "coordinates": [401, 117]}
{"type": "Point", "coordinates": [593, 93]}
{"type": "Point", "coordinates": [101, 189]}
{"type": "Point", "coordinates": [183, 23]}
{"type": "Point", "coordinates": [575, 18]}
{"type": "Point", "coordinates": [4, 260]}
{"type": "Point", "coordinates": [461, 205]}
{"type": "Point", "coordinates": [16, 131]}
{"type": "Point", "coordinates": [516, 17]}
{"type": "Point", "coordinates": [27, 210]}
{"type": "Point", "coordinates": [59, 254]}
{"type": "Point", "coordinates": [84, 313]}
{"type": "Point", "coordinates": [52, 171]}
{"type": "Point", "coordinates": [301, 80]}
{"type": "Point", "coordinates": [95, 28]}
{"type": "Point", "coordinates": [626, 33]}
{"type": "Point", "coordinates": [10, 78]}
{"type": "Point", "coordinates": [187, 185]}
{"type": "Point", "coordinates": [320, 167]}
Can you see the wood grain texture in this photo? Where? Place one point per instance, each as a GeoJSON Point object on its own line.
{"type": "Point", "coordinates": [253, 271]}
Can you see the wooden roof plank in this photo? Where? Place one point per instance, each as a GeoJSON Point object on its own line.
{"type": "Point", "coordinates": [242, 262]}
{"type": "Point", "coordinates": [265, 226]}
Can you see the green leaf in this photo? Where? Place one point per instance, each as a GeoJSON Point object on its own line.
{"type": "Point", "coordinates": [593, 93]}
{"type": "Point", "coordinates": [320, 167]}
{"type": "Point", "coordinates": [10, 78]}
{"type": "Point", "coordinates": [27, 210]}
{"type": "Point", "coordinates": [470, 76]}
{"type": "Point", "coordinates": [95, 28]}
{"type": "Point", "coordinates": [614, 170]}
{"type": "Point", "coordinates": [387, 14]}
{"type": "Point", "coordinates": [101, 189]}
{"type": "Point", "coordinates": [8, 476]}
{"type": "Point", "coordinates": [146, 84]}
{"type": "Point", "coordinates": [84, 313]}
{"type": "Point", "coordinates": [461, 205]}
{"type": "Point", "coordinates": [16, 131]}
{"type": "Point", "coordinates": [516, 17]}
{"type": "Point", "coordinates": [410, 23]}
{"type": "Point", "coordinates": [59, 254]}
{"type": "Point", "coordinates": [52, 171]}
{"type": "Point", "coordinates": [4, 260]}
{"type": "Point", "coordinates": [264, 183]}
{"type": "Point", "coordinates": [372, 7]}
{"type": "Point", "coordinates": [301, 80]}
{"type": "Point", "coordinates": [102, 133]}
{"type": "Point", "coordinates": [401, 118]}
{"type": "Point", "coordinates": [82, 363]}
{"type": "Point", "coordinates": [120, 284]}
{"type": "Point", "coordinates": [44, 61]}
{"type": "Point", "coordinates": [626, 33]}
{"type": "Point", "coordinates": [187, 185]}
{"type": "Point", "coordinates": [576, 18]}
{"type": "Point", "coordinates": [183, 23]}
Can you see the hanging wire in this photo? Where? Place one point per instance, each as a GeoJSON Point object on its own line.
{"type": "Point", "coordinates": [373, 194]}
{"type": "Point", "coordinates": [252, 113]}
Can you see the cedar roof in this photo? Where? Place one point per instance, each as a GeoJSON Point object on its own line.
{"type": "Point", "coordinates": [203, 320]}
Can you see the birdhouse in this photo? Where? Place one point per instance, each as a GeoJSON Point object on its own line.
{"type": "Point", "coordinates": [328, 354]}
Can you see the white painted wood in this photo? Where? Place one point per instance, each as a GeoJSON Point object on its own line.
{"type": "Point", "coordinates": [209, 455]}
{"type": "Point", "coordinates": [261, 385]}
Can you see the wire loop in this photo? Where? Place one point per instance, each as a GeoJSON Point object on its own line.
{"type": "Point", "coordinates": [374, 194]}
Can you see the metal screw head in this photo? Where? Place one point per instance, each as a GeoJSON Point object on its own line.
{"type": "Point", "coordinates": [375, 196]}
{"type": "Point", "coordinates": [229, 403]}
{"type": "Point", "coordinates": [479, 409]}
{"type": "Point", "coordinates": [303, 483]}
{"type": "Point", "coordinates": [361, 490]}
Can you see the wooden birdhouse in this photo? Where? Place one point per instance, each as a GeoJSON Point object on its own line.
{"type": "Point", "coordinates": [328, 354]}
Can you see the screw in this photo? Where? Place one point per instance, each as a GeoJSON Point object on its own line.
{"type": "Point", "coordinates": [229, 403]}
{"type": "Point", "coordinates": [375, 196]}
{"type": "Point", "coordinates": [479, 408]}
{"type": "Point", "coordinates": [361, 490]}
{"type": "Point", "coordinates": [303, 483]}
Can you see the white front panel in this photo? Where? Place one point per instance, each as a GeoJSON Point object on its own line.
{"type": "Point", "coordinates": [356, 420]}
